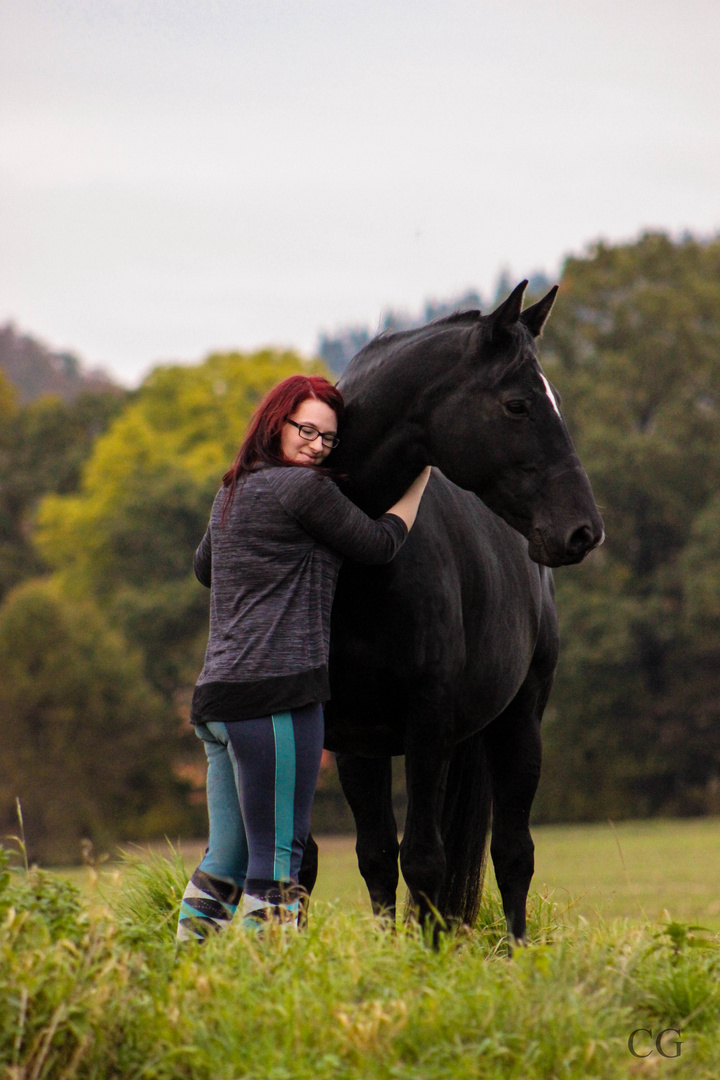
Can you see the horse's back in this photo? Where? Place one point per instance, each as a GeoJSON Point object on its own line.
{"type": "Point", "coordinates": [455, 616]}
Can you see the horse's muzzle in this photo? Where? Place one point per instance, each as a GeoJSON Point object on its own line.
{"type": "Point", "coordinates": [581, 541]}
{"type": "Point", "coordinates": [551, 550]}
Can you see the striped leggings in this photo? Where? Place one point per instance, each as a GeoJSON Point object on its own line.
{"type": "Point", "coordinates": [260, 785]}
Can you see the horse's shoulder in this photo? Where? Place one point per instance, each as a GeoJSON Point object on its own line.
{"type": "Point", "coordinates": [459, 510]}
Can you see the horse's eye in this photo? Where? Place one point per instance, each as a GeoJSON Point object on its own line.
{"type": "Point", "coordinates": [517, 408]}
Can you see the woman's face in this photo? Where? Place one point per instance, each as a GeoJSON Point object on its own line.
{"type": "Point", "coordinates": [322, 418]}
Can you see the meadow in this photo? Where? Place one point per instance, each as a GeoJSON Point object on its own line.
{"type": "Point", "coordinates": [634, 870]}
{"type": "Point", "coordinates": [92, 986]}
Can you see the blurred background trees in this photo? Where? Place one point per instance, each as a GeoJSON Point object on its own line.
{"type": "Point", "coordinates": [104, 495]}
{"type": "Point", "coordinates": [43, 446]}
{"type": "Point", "coordinates": [87, 743]}
{"type": "Point", "coordinates": [634, 347]}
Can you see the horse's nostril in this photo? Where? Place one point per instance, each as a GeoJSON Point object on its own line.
{"type": "Point", "coordinates": [580, 540]}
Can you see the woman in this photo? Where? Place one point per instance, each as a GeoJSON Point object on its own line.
{"type": "Point", "coordinates": [278, 531]}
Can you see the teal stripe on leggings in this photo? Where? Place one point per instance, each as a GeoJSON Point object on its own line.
{"type": "Point", "coordinates": [284, 793]}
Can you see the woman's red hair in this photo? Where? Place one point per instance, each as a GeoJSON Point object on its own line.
{"type": "Point", "coordinates": [262, 441]}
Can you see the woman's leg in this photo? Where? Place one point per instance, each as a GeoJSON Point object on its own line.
{"type": "Point", "coordinates": [278, 759]}
{"type": "Point", "coordinates": [215, 888]}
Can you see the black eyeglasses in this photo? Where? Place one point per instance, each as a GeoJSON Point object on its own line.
{"type": "Point", "coordinates": [310, 433]}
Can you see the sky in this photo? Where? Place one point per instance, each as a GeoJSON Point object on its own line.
{"type": "Point", "coordinates": [183, 176]}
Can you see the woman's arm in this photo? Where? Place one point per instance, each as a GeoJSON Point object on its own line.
{"type": "Point", "coordinates": [202, 562]}
{"type": "Point", "coordinates": [318, 505]}
{"type": "Point", "coordinates": [407, 505]}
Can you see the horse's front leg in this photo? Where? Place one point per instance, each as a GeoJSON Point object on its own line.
{"type": "Point", "coordinates": [367, 785]}
{"type": "Point", "coordinates": [513, 747]}
{"type": "Point", "coordinates": [422, 853]}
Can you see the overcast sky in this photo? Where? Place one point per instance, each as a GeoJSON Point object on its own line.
{"type": "Point", "coordinates": [179, 176]}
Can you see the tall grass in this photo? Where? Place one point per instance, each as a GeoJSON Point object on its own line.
{"type": "Point", "coordinates": [146, 905]}
{"type": "Point", "coordinates": [95, 989]}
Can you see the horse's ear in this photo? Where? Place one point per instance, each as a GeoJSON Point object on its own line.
{"type": "Point", "coordinates": [534, 316]}
{"type": "Point", "coordinates": [505, 317]}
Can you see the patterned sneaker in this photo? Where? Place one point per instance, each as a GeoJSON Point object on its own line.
{"type": "Point", "coordinates": [271, 901]}
{"type": "Point", "coordinates": [208, 905]}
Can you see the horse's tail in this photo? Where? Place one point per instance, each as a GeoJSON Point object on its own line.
{"type": "Point", "coordinates": [466, 818]}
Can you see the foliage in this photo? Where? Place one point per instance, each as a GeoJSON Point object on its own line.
{"type": "Point", "coordinates": [634, 347]}
{"type": "Point", "coordinates": [676, 937]}
{"type": "Point", "coordinates": [68, 983]}
{"type": "Point", "coordinates": [50, 899]}
{"type": "Point", "coordinates": [87, 741]}
{"type": "Point", "coordinates": [148, 900]}
{"type": "Point", "coordinates": [343, 999]}
{"type": "Point", "coordinates": [8, 404]}
{"type": "Point", "coordinates": [37, 372]}
{"type": "Point", "coordinates": [43, 447]}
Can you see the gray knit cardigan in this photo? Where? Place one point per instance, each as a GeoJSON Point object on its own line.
{"type": "Point", "coordinates": [272, 568]}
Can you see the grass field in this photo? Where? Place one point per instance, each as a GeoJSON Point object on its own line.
{"type": "Point", "coordinates": [633, 870]}
{"type": "Point", "coordinates": [93, 988]}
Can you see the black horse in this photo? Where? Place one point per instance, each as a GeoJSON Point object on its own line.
{"type": "Point", "coordinates": [447, 654]}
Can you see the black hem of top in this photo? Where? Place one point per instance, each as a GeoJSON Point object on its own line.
{"type": "Point", "coordinates": [226, 701]}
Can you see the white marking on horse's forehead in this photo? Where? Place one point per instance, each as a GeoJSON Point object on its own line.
{"type": "Point", "coordinates": [548, 391]}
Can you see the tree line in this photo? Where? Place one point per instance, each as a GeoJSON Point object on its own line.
{"type": "Point", "coordinates": [102, 625]}
{"type": "Point", "coordinates": [337, 349]}
{"type": "Point", "coordinates": [634, 347]}
{"type": "Point", "coordinates": [36, 371]}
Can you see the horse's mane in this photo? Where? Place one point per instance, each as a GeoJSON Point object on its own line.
{"type": "Point", "coordinates": [384, 346]}
{"type": "Point", "coordinates": [389, 340]}
{"type": "Point", "coordinates": [468, 315]}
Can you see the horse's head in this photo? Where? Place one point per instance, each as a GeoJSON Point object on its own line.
{"type": "Point", "coordinates": [467, 394]}
{"type": "Point", "coordinates": [494, 426]}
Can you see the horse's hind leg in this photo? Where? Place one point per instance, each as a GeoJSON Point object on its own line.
{"type": "Point", "coordinates": [513, 747]}
{"type": "Point", "coordinates": [307, 877]}
{"type": "Point", "coordinates": [367, 785]}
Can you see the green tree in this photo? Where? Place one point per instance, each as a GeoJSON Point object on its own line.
{"type": "Point", "coordinates": [43, 447]}
{"type": "Point", "coordinates": [8, 403]}
{"type": "Point", "coordinates": [634, 346]}
{"type": "Point", "coordinates": [8, 412]}
{"type": "Point", "coordinates": [87, 744]}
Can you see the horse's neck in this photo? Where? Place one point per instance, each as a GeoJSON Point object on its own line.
{"type": "Point", "coordinates": [380, 461]}
{"type": "Point", "coordinates": [383, 441]}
